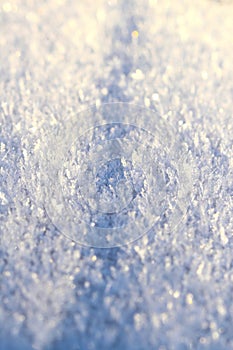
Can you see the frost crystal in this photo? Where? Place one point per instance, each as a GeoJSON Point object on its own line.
{"type": "Point", "coordinates": [93, 198]}
{"type": "Point", "coordinates": [157, 183]}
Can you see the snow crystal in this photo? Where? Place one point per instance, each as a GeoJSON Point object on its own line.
{"type": "Point", "coordinates": [116, 131]}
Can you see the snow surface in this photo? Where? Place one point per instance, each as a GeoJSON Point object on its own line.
{"type": "Point", "coordinates": [169, 289]}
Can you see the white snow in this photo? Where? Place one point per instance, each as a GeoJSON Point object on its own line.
{"type": "Point", "coordinates": [171, 288]}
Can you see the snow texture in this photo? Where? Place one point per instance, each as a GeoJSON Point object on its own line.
{"type": "Point", "coordinates": [170, 288]}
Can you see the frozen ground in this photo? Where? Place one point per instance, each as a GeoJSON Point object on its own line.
{"type": "Point", "coordinates": [167, 290]}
